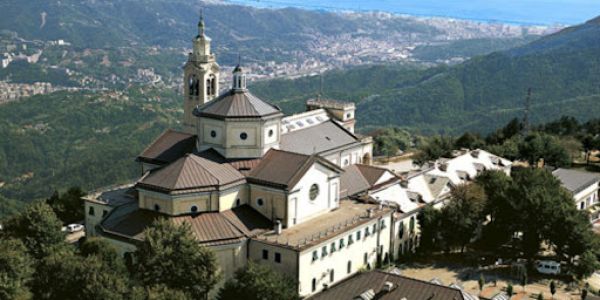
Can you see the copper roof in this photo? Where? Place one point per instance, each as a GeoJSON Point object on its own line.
{"type": "Point", "coordinates": [168, 147]}
{"type": "Point", "coordinates": [352, 182]}
{"type": "Point", "coordinates": [402, 288]}
{"type": "Point", "coordinates": [284, 169]}
{"type": "Point", "coordinates": [191, 172]}
{"type": "Point", "coordinates": [210, 228]}
{"type": "Point", "coordinates": [320, 138]}
{"type": "Point", "coordinates": [371, 173]}
{"type": "Point", "coordinates": [237, 104]}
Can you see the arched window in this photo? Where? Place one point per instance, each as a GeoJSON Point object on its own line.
{"type": "Point", "coordinates": [314, 284]}
{"type": "Point", "coordinates": [313, 192]}
{"type": "Point", "coordinates": [156, 207]}
{"type": "Point", "coordinates": [331, 276]}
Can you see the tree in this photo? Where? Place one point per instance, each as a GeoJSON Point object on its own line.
{"type": "Point", "coordinates": [16, 270]}
{"type": "Point", "coordinates": [105, 251]}
{"type": "Point", "coordinates": [157, 292]}
{"type": "Point", "coordinates": [552, 288]}
{"type": "Point", "coordinates": [170, 255]}
{"type": "Point", "coordinates": [469, 140]}
{"type": "Point", "coordinates": [586, 265]}
{"type": "Point", "coordinates": [434, 148]}
{"type": "Point", "coordinates": [39, 229]}
{"type": "Point", "coordinates": [509, 290]}
{"type": "Point", "coordinates": [524, 279]}
{"type": "Point", "coordinates": [463, 215]}
{"type": "Point", "coordinates": [481, 282]}
{"type": "Point", "coordinates": [429, 220]}
{"type": "Point", "coordinates": [538, 146]}
{"type": "Point", "coordinates": [388, 141]}
{"type": "Point", "coordinates": [69, 206]}
{"type": "Point", "coordinates": [64, 275]}
{"type": "Point", "coordinates": [590, 143]}
{"type": "Point", "coordinates": [257, 282]}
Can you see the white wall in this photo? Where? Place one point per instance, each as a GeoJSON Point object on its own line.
{"type": "Point", "coordinates": [326, 200]}
{"type": "Point", "coordinates": [338, 260]}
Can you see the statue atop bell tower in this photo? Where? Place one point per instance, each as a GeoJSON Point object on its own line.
{"type": "Point", "coordinates": [201, 77]}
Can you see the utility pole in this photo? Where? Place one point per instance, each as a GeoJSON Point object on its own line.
{"type": "Point", "coordinates": [527, 110]}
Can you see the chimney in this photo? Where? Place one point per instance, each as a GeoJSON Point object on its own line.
{"type": "Point", "coordinates": [387, 287]}
{"type": "Point", "coordinates": [278, 227]}
{"type": "Point", "coordinates": [443, 167]}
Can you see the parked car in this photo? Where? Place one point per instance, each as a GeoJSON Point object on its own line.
{"type": "Point", "coordinates": [548, 267]}
{"type": "Point", "coordinates": [74, 228]}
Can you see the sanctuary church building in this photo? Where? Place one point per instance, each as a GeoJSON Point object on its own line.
{"type": "Point", "coordinates": [295, 192]}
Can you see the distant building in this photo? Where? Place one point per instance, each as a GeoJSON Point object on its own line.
{"type": "Point", "coordinates": [585, 188]}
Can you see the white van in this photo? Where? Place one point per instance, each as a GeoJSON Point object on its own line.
{"type": "Point", "coordinates": [548, 267]}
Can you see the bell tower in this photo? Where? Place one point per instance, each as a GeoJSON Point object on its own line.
{"type": "Point", "coordinates": [201, 77]}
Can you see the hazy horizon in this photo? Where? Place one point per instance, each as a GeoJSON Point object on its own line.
{"type": "Point", "coordinates": [568, 12]}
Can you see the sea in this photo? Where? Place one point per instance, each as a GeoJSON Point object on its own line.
{"type": "Point", "coordinates": [526, 12]}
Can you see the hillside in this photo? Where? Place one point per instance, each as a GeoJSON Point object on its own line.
{"type": "Point", "coordinates": [77, 139]}
{"type": "Point", "coordinates": [563, 70]}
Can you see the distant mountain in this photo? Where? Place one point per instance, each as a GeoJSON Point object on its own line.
{"type": "Point", "coordinates": [563, 70]}
{"type": "Point", "coordinates": [260, 34]}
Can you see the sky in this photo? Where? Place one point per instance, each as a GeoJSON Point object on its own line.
{"type": "Point", "coordinates": [545, 12]}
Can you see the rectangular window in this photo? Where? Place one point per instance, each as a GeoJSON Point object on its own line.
{"type": "Point", "coordinates": [374, 227]}
{"type": "Point", "coordinates": [358, 235]}
{"type": "Point", "coordinates": [367, 233]}
{"type": "Point", "coordinates": [315, 255]}
{"type": "Point", "coordinates": [277, 257]}
{"type": "Point", "coordinates": [324, 251]}
{"type": "Point", "coordinates": [91, 211]}
{"type": "Point", "coordinates": [104, 213]}
{"type": "Point", "coordinates": [332, 247]}
{"type": "Point", "coordinates": [342, 243]}
{"type": "Point", "coordinates": [350, 240]}
{"type": "Point", "coordinates": [382, 224]}
{"type": "Point", "coordinates": [265, 254]}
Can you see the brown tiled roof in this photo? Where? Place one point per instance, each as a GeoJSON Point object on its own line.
{"type": "Point", "coordinates": [403, 287]}
{"type": "Point", "coordinates": [242, 165]}
{"type": "Point", "coordinates": [191, 172]}
{"type": "Point", "coordinates": [237, 104]}
{"type": "Point", "coordinates": [210, 228]}
{"type": "Point", "coordinates": [284, 169]}
{"type": "Point", "coordinates": [168, 147]}
{"type": "Point", "coordinates": [371, 173]}
{"type": "Point", "coordinates": [352, 182]}
{"type": "Point", "coordinates": [247, 220]}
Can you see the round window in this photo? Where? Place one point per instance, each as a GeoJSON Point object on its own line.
{"type": "Point", "coordinates": [259, 202]}
{"type": "Point", "coordinates": [243, 135]}
{"type": "Point", "coordinates": [314, 191]}
{"type": "Point", "coordinates": [271, 133]}
{"type": "Point", "coordinates": [194, 208]}
{"type": "Point", "coordinates": [348, 116]}
{"type": "Point", "coordinates": [213, 133]}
